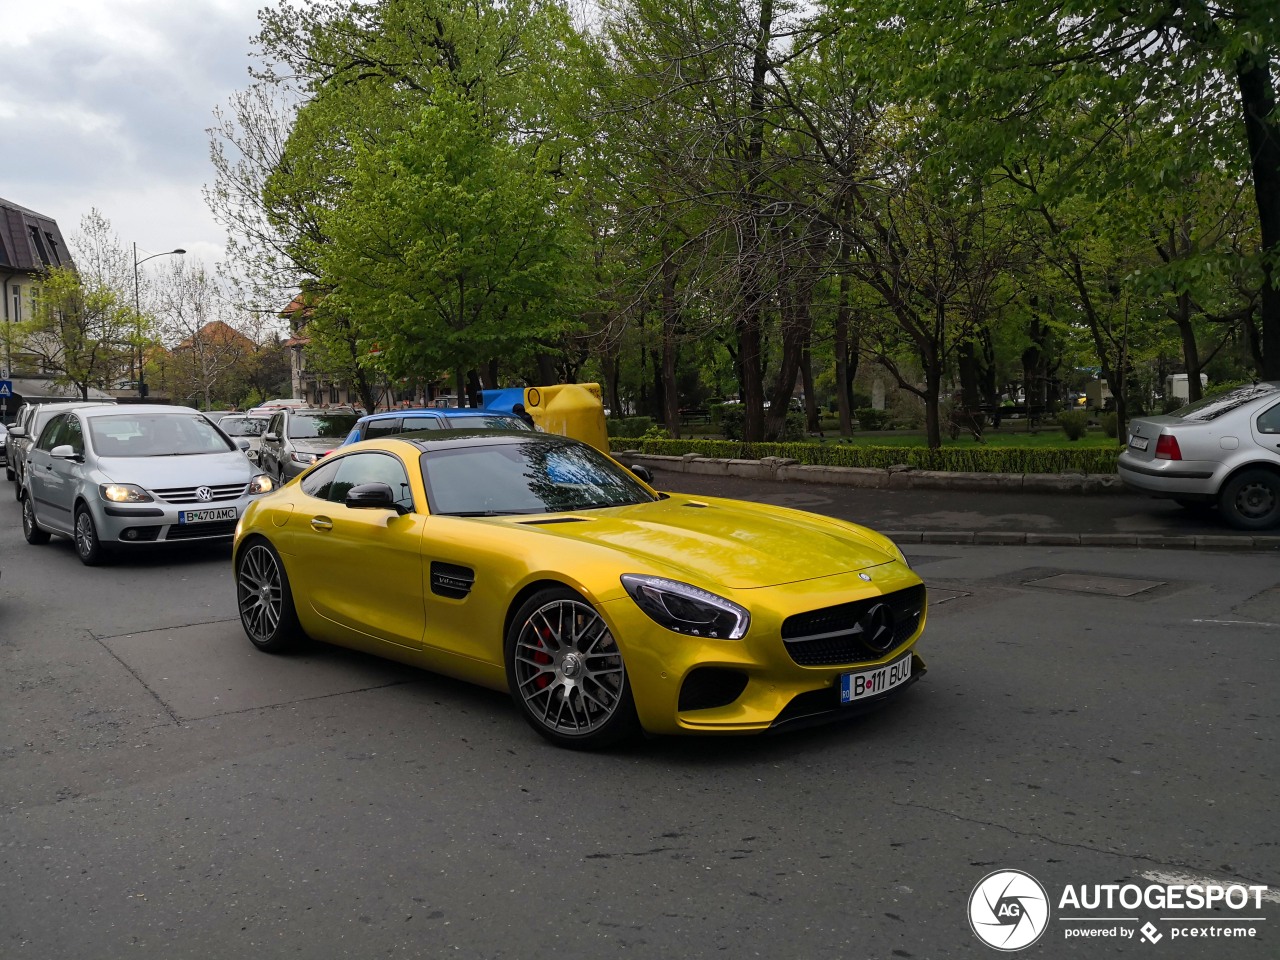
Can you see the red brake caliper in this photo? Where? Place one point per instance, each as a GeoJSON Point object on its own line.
{"type": "Point", "coordinates": [541, 656]}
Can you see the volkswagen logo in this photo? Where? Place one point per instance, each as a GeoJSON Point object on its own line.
{"type": "Point", "coordinates": [875, 628]}
{"type": "Point", "coordinates": [204, 493]}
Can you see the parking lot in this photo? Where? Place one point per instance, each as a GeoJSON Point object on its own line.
{"type": "Point", "coordinates": [1090, 717]}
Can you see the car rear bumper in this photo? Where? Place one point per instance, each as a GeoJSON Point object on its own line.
{"type": "Point", "coordinates": [1169, 478]}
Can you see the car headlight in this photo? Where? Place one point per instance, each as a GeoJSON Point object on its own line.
{"type": "Point", "coordinates": [123, 493]}
{"type": "Point", "coordinates": [686, 609]}
{"type": "Point", "coordinates": [261, 484]}
{"type": "Point", "coordinates": [302, 457]}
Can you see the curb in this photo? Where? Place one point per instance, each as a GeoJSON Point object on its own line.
{"type": "Point", "coordinates": [1149, 540]}
{"type": "Point", "coordinates": [893, 478]}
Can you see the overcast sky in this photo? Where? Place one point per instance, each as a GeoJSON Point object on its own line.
{"type": "Point", "coordinates": [105, 104]}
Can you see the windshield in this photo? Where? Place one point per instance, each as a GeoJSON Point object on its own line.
{"type": "Point", "coordinates": [321, 425]}
{"type": "Point", "coordinates": [1211, 408]}
{"type": "Point", "coordinates": [155, 435]}
{"type": "Point", "coordinates": [526, 477]}
{"type": "Point", "coordinates": [494, 421]}
{"type": "Point", "coordinates": [243, 426]}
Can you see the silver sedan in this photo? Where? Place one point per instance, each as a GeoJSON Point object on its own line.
{"type": "Point", "coordinates": [1223, 451]}
{"type": "Point", "coordinates": [110, 477]}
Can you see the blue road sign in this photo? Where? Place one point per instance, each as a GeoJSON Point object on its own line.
{"type": "Point", "coordinates": [6, 389]}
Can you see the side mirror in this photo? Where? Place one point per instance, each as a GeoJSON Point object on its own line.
{"type": "Point", "coordinates": [16, 431]}
{"type": "Point", "coordinates": [271, 437]}
{"type": "Point", "coordinates": [65, 452]}
{"type": "Point", "coordinates": [643, 473]}
{"type": "Point", "coordinates": [243, 444]}
{"type": "Point", "coordinates": [372, 496]}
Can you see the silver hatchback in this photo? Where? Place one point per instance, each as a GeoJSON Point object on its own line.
{"type": "Point", "coordinates": [116, 476]}
{"type": "Point", "coordinates": [1223, 451]}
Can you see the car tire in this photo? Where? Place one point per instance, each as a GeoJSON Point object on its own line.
{"type": "Point", "coordinates": [30, 528]}
{"type": "Point", "coordinates": [551, 665]}
{"type": "Point", "coordinates": [1251, 500]}
{"type": "Point", "coordinates": [88, 547]}
{"type": "Point", "coordinates": [264, 599]}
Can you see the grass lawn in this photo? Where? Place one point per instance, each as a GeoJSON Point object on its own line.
{"type": "Point", "coordinates": [1011, 434]}
{"type": "Point", "coordinates": [1045, 437]}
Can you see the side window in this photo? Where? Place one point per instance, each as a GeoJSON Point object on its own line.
{"type": "Point", "coordinates": [277, 424]}
{"type": "Point", "coordinates": [1269, 421]}
{"type": "Point", "coordinates": [318, 482]}
{"type": "Point", "coordinates": [422, 423]}
{"type": "Point", "coordinates": [372, 468]}
{"type": "Point", "coordinates": [381, 428]}
{"type": "Point", "coordinates": [74, 435]}
{"type": "Point", "coordinates": [51, 435]}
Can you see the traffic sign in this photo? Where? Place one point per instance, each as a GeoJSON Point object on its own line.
{"type": "Point", "coordinates": [6, 389]}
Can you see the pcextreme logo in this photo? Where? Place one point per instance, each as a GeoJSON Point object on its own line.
{"type": "Point", "coordinates": [1010, 910]}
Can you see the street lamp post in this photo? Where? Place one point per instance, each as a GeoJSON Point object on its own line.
{"type": "Point", "coordinates": [137, 310]}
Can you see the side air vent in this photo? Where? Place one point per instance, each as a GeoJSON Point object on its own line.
{"type": "Point", "coordinates": [450, 580]}
{"type": "Point", "coordinates": [548, 520]}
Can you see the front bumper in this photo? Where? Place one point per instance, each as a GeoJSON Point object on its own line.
{"type": "Point", "coordinates": [130, 524]}
{"type": "Point", "coordinates": [775, 690]}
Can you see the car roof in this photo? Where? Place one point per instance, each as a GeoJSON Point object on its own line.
{"type": "Point", "coordinates": [437, 413]}
{"type": "Point", "coordinates": [123, 409]}
{"type": "Point", "coordinates": [432, 440]}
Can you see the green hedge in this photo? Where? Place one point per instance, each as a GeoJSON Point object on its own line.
{"type": "Point", "coordinates": [956, 459]}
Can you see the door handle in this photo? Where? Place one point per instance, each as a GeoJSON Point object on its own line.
{"type": "Point", "coordinates": [321, 523]}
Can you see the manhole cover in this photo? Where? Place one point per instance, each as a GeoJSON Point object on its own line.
{"type": "Point", "coordinates": [1106, 586]}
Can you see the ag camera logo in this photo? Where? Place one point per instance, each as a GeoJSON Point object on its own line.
{"type": "Point", "coordinates": [1008, 910]}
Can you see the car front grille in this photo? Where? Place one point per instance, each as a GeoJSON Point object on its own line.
{"type": "Point", "coordinates": [832, 635]}
{"type": "Point", "coordinates": [219, 492]}
{"type": "Point", "coordinates": [213, 530]}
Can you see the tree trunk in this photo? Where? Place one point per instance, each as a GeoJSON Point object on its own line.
{"type": "Point", "coordinates": [670, 333]}
{"type": "Point", "coordinates": [1262, 129]}
{"type": "Point", "coordinates": [844, 376]}
{"type": "Point", "coordinates": [811, 413]}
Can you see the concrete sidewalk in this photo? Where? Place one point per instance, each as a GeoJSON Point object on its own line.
{"type": "Point", "coordinates": [909, 514]}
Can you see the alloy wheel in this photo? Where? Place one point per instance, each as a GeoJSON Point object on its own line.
{"type": "Point", "coordinates": [568, 669]}
{"type": "Point", "coordinates": [260, 592]}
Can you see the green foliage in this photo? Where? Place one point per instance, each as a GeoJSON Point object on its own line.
{"type": "Point", "coordinates": [974, 459]}
{"type": "Point", "coordinates": [870, 418]}
{"type": "Point", "coordinates": [631, 427]}
{"type": "Point", "coordinates": [732, 418]}
{"type": "Point", "coordinates": [1075, 423]}
{"type": "Point", "coordinates": [1109, 422]}
{"type": "Point", "coordinates": [656, 432]}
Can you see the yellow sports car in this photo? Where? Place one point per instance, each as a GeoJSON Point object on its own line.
{"type": "Point", "coordinates": [535, 564]}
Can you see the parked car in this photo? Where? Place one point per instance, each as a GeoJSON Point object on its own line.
{"type": "Point", "coordinates": [4, 446]}
{"type": "Point", "coordinates": [533, 563]}
{"type": "Point", "coordinates": [391, 422]}
{"type": "Point", "coordinates": [1223, 451]}
{"type": "Point", "coordinates": [32, 418]}
{"type": "Point", "coordinates": [248, 426]}
{"type": "Point", "coordinates": [113, 477]}
{"type": "Point", "coordinates": [295, 439]}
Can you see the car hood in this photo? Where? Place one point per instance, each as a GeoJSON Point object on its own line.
{"type": "Point", "coordinates": [318, 445]}
{"type": "Point", "coordinates": [205, 469]}
{"type": "Point", "coordinates": [735, 544]}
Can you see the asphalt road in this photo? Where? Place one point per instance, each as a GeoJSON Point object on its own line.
{"type": "Point", "coordinates": [1090, 716]}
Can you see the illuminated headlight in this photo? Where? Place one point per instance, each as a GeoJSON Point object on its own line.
{"type": "Point", "coordinates": [123, 493]}
{"type": "Point", "coordinates": [261, 484]}
{"type": "Point", "coordinates": [297, 457]}
{"type": "Point", "coordinates": [685, 608]}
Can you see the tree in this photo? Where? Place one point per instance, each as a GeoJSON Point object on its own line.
{"type": "Point", "coordinates": [84, 329]}
{"type": "Point", "coordinates": [1037, 79]}
{"type": "Point", "coordinates": [207, 353]}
